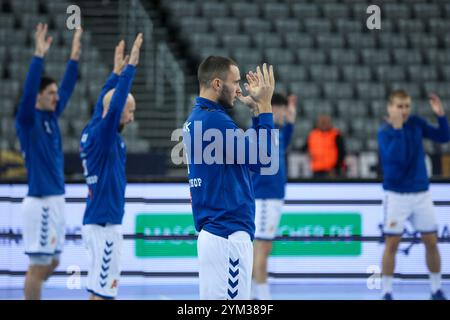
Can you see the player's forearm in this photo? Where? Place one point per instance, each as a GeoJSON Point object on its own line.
{"type": "Point", "coordinates": [123, 88]}
{"type": "Point", "coordinates": [442, 134]}
{"type": "Point", "coordinates": [263, 141]}
{"type": "Point", "coordinates": [111, 82]}
{"type": "Point", "coordinates": [291, 117]}
{"type": "Point", "coordinates": [70, 77]}
{"type": "Point", "coordinates": [288, 130]}
{"type": "Point", "coordinates": [31, 89]}
{"type": "Point", "coordinates": [264, 107]}
{"type": "Point", "coordinates": [67, 85]}
{"type": "Point", "coordinates": [120, 96]}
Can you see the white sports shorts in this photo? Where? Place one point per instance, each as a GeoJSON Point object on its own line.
{"type": "Point", "coordinates": [43, 228]}
{"type": "Point", "coordinates": [104, 246]}
{"type": "Point", "coordinates": [225, 266]}
{"type": "Point", "coordinates": [414, 207]}
{"type": "Point", "coordinates": [267, 218]}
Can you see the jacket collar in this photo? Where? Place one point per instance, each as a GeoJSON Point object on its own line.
{"type": "Point", "coordinates": [203, 102]}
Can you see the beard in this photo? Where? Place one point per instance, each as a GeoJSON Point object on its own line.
{"type": "Point", "coordinates": [121, 127]}
{"type": "Point", "coordinates": [224, 98]}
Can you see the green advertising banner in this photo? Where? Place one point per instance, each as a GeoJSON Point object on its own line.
{"type": "Point", "coordinates": [319, 224]}
{"type": "Point", "coordinates": [291, 224]}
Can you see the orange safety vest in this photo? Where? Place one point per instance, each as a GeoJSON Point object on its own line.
{"type": "Point", "coordinates": [323, 150]}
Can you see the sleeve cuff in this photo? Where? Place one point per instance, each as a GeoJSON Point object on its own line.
{"type": "Point", "coordinates": [255, 121]}
{"type": "Point", "coordinates": [288, 126]}
{"type": "Point", "coordinates": [75, 62]}
{"type": "Point", "coordinates": [37, 59]}
{"type": "Point", "coordinates": [266, 119]}
{"type": "Point", "coordinates": [130, 70]}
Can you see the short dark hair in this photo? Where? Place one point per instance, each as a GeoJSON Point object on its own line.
{"type": "Point", "coordinates": [279, 99]}
{"type": "Point", "coordinates": [400, 93]}
{"type": "Point", "coordinates": [45, 82]}
{"type": "Point", "coordinates": [214, 67]}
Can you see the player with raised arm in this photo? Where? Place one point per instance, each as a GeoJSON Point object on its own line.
{"type": "Point", "coordinates": [406, 184]}
{"type": "Point", "coordinates": [223, 200]}
{"type": "Point", "coordinates": [103, 156]}
{"type": "Point", "coordinates": [41, 104]}
{"type": "Point", "coordinates": [269, 194]}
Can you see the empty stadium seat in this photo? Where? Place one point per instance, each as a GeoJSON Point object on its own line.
{"type": "Point", "coordinates": [267, 40]}
{"type": "Point", "coordinates": [276, 11]}
{"type": "Point", "coordinates": [311, 56]}
{"type": "Point", "coordinates": [245, 10]}
{"type": "Point", "coordinates": [214, 9]}
{"type": "Point", "coordinates": [290, 73]}
{"type": "Point", "coordinates": [278, 56]}
{"type": "Point", "coordinates": [305, 10]}
{"type": "Point", "coordinates": [252, 25]}
{"type": "Point", "coordinates": [233, 41]}
{"type": "Point", "coordinates": [331, 40]}
{"type": "Point", "coordinates": [371, 91]}
{"type": "Point", "coordinates": [422, 73]}
{"type": "Point", "coordinates": [338, 90]}
{"type": "Point", "coordinates": [324, 73]}
{"type": "Point", "coordinates": [305, 90]}
{"type": "Point", "coordinates": [357, 73]}
{"type": "Point", "coordinates": [299, 40]}
{"type": "Point", "coordinates": [343, 56]}
{"type": "Point", "coordinates": [284, 26]}
{"type": "Point", "coordinates": [390, 73]}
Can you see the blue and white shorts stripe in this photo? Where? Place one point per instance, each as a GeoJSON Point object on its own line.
{"type": "Point", "coordinates": [267, 218]}
{"type": "Point", "coordinates": [225, 266]}
{"type": "Point", "coordinates": [43, 228]}
{"type": "Point", "coordinates": [104, 245]}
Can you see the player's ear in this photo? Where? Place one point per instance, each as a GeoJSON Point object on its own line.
{"type": "Point", "coordinates": [216, 84]}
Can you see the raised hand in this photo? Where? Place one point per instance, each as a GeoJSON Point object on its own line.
{"type": "Point", "coordinates": [261, 86]}
{"type": "Point", "coordinates": [43, 42]}
{"type": "Point", "coordinates": [135, 51]}
{"type": "Point", "coordinates": [291, 109]}
{"type": "Point", "coordinates": [119, 60]}
{"type": "Point", "coordinates": [249, 102]}
{"type": "Point", "coordinates": [76, 45]}
{"type": "Point", "coordinates": [436, 105]}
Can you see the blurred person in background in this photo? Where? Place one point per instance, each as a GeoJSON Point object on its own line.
{"type": "Point", "coordinates": [406, 184]}
{"type": "Point", "coordinates": [326, 149]}
{"type": "Point", "coordinates": [40, 106]}
{"type": "Point", "coordinates": [269, 194]}
{"type": "Point", "coordinates": [103, 156]}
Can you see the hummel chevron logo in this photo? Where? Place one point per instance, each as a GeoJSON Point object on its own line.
{"type": "Point", "coordinates": [102, 284]}
{"type": "Point", "coordinates": [233, 284]}
{"type": "Point", "coordinates": [233, 274]}
{"type": "Point", "coordinates": [231, 294]}
{"type": "Point", "coordinates": [109, 244]}
{"type": "Point", "coordinates": [106, 252]}
{"type": "Point", "coordinates": [105, 268]}
{"type": "Point", "coordinates": [106, 261]}
{"type": "Point", "coordinates": [103, 276]}
{"type": "Point", "coordinates": [234, 263]}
